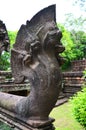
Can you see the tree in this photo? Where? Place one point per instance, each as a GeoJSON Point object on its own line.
{"type": "Point", "coordinates": [81, 3]}
{"type": "Point", "coordinates": [12, 37]}
{"type": "Point", "coordinates": [75, 45]}
{"type": "Point", "coordinates": [73, 23]}
{"type": "Point", "coordinates": [68, 43]}
{"type": "Point", "coordinates": [5, 57]}
{"type": "Point", "coordinates": [79, 38]}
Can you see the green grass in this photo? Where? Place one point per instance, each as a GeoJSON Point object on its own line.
{"type": "Point", "coordinates": [4, 127]}
{"type": "Point", "coordinates": [64, 119]}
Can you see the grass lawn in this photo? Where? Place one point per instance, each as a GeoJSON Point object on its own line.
{"type": "Point", "coordinates": [4, 127]}
{"type": "Point", "coordinates": [64, 120]}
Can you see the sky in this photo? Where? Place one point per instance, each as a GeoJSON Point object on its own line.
{"type": "Point", "coordinates": [14, 13]}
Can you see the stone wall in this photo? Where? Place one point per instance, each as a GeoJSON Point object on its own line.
{"type": "Point", "coordinates": [7, 85]}
{"type": "Point", "coordinates": [73, 80]}
{"type": "Point", "coordinates": [78, 65]}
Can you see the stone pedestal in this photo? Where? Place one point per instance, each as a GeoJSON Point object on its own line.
{"type": "Point", "coordinates": [21, 124]}
{"type": "Point", "coordinates": [42, 125]}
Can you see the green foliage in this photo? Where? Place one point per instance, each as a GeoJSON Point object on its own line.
{"type": "Point", "coordinates": [5, 61]}
{"type": "Point", "coordinates": [12, 37]}
{"type": "Point", "coordinates": [5, 57]}
{"type": "Point", "coordinates": [79, 39]}
{"type": "Point", "coordinates": [4, 127]}
{"type": "Point", "coordinates": [69, 45]}
{"type": "Point", "coordinates": [84, 74]}
{"type": "Point", "coordinates": [75, 45]}
{"type": "Point", "coordinates": [78, 103]}
{"type": "Point", "coordinates": [74, 29]}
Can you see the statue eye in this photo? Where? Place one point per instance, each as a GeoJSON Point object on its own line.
{"type": "Point", "coordinates": [35, 46]}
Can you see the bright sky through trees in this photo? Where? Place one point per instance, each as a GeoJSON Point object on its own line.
{"type": "Point", "coordinates": [16, 12]}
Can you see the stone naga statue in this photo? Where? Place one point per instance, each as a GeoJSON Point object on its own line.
{"type": "Point", "coordinates": [35, 57]}
{"type": "Point", "coordinates": [4, 39]}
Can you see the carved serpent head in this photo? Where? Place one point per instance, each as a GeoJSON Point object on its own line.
{"type": "Point", "coordinates": [35, 57]}
{"type": "Point", "coordinates": [4, 39]}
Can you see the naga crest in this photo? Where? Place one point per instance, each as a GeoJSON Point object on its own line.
{"type": "Point", "coordinates": [35, 57]}
{"type": "Point", "coordinates": [40, 36]}
{"type": "Point", "coordinates": [4, 39]}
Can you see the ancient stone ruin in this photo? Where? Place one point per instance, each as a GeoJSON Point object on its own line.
{"type": "Point", "coordinates": [35, 58]}
{"type": "Point", "coordinates": [73, 80]}
{"type": "Point", "coordinates": [4, 39]}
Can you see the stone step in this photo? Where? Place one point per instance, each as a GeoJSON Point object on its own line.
{"type": "Point", "coordinates": [72, 74]}
{"type": "Point", "coordinates": [67, 90]}
{"type": "Point", "coordinates": [2, 79]}
{"type": "Point", "coordinates": [78, 68]}
{"type": "Point", "coordinates": [61, 101]}
{"type": "Point", "coordinates": [78, 63]}
{"type": "Point", "coordinates": [61, 95]}
{"type": "Point", "coordinates": [14, 87]}
{"type": "Point", "coordinates": [71, 89]}
{"type": "Point", "coordinates": [73, 80]}
{"type": "Point", "coordinates": [69, 95]}
{"type": "Point", "coordinates": [5, 73]}
{"type": "Point", "coordinates": [73, 85]}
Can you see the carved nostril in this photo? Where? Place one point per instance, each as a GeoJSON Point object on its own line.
{"type": "Point", "coordinates": [59, 48]}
